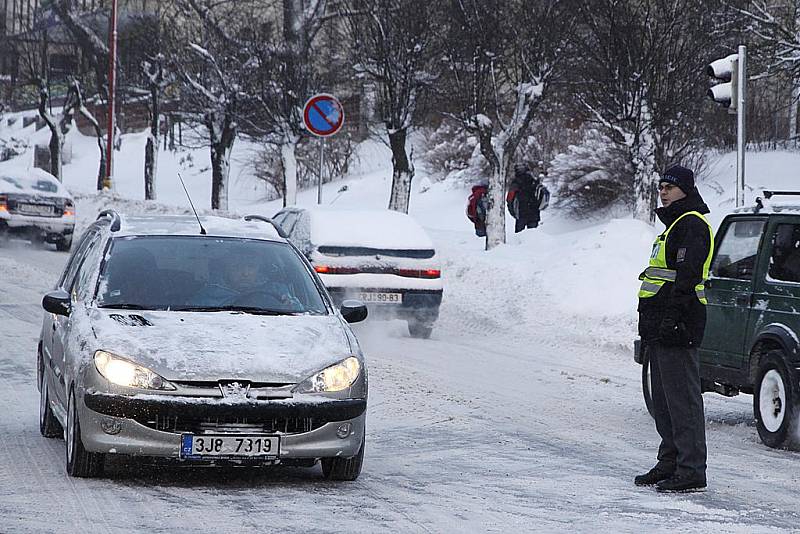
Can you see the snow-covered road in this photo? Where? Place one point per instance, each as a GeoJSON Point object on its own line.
{"type": "Point", "coordinates": [509, 430]}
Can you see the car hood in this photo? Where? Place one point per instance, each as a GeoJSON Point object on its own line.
{"type": "Point", "coordinates": [211, 346]}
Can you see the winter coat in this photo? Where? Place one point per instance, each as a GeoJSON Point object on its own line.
{"type": "Point", "coordinates": [526, 199]}
{"type": "Point", "coordinates": [686, 250]}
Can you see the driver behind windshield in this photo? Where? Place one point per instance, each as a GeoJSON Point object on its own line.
{"type": "Point", "coordinates": [246, 281]}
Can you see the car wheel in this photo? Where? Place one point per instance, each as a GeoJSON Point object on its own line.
{"type": "Point", "coordinates": [647, 382]}
{"type": "Point", "coordinates": [775, 402]}
{"type": "Point", "coordinates": [419, 329]}
{"type": "Point", "coordinates": [80, 462]}
{"type": "Point", "coordinates": [49, 426]}
{"type": "Point", "coordinates": [344, 468]}
{"type": "Point", "coordinates": [64, 244]}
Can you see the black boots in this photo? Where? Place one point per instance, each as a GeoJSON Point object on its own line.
{"type": "Point", "coordinates": [654, 476]}
{"type": "Point", "coordinates": [682, 484]}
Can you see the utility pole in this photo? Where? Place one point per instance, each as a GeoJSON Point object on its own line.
{"type": "Point", "coordinates": [112, 82]}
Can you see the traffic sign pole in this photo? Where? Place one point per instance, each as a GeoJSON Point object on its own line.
{"type": "Point", "coordinates": [323, 116]}
{"type": "Point", "coordinates": [741, 137]}
{"type": "Point", "coordinates": [321, 167]}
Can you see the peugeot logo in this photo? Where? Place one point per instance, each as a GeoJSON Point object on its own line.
{"type": "Point", "coordinates": [234, 390]}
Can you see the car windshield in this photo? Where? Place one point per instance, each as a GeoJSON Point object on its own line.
{"type": "Point", "coordinates": [34, 183]}
{"type": "Point", "coordinates": [195, 273]}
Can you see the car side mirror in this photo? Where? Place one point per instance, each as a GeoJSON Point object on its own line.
{"type": "Point", "coordinates": [353, 311]}
{"type": "Point", "coordinates": [57, 302]}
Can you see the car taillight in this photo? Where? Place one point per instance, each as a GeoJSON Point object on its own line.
{"type": "Point", "coordinates": [3, 203]}
{"type": "Point", "coordinates": [417, 273]}
{"type": "Point", "coordinates": [325, 269]}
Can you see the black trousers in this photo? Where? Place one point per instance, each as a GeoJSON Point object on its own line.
{"type": "Point", "coordinates": [531, 222]}
{"type": "Point", "coordinates": [678, 409]}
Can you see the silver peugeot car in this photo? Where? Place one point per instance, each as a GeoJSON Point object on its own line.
{"type": "Point", "coordinates": [206, 340]}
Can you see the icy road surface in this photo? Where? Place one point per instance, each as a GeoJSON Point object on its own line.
{"type": "Point", "coordinates": [516, 430]}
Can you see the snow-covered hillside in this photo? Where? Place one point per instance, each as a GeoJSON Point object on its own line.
{"type": "Point", "coordinates": [585, 270]}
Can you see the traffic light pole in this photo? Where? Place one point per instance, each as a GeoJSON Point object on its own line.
{"type": "Point", "coordinates": [741, 109]}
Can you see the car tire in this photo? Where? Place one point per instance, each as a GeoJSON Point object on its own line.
{"type": "Point", "coordinates": [776, 402]}
{"type": "Point", "coordinates": [64, 244]}
{"type": "Point", "coordinates": [344, 468]}
{"type": "Point", "coordinates": [80, 462]}
{"type": "Point", "coordinates": [49, 426]}
{"type": "Point", "coordinates": [647, 382]}
{"type": "Point", "coordinates": [419, 329]}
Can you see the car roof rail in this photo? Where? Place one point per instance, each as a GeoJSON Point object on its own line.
{"type": "Point", "coordinates": [113, 216]}
{"type": "Point", "coordinates": [267, 220]}
{"type": "Point", "coordinates": [770, 194]}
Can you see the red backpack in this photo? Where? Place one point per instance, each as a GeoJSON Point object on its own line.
{"type": "Point", "coordinates": [475, 214]}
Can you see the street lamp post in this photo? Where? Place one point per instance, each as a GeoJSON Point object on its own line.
{"type": "Point", "coordinates": [112, 79]}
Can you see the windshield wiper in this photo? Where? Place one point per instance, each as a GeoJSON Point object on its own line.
{"type": "Point", "coordinates": [124, 306]}
{"type": "Point", "coordinates": [254, 310]}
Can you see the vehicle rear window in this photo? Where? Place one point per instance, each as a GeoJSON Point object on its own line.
{"type": "Point", "coordinates": [37, 184]}
{"type": "Point", "coordinates": [364, 251]}
{"type": "Point", "coordinates": [195, 273]}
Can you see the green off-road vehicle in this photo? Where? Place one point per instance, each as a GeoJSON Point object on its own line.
{"type": "Point", "coordinates": [752, 337]}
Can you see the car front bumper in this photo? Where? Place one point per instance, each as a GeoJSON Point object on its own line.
{"type": "Point", "coordinates": [152, 425]}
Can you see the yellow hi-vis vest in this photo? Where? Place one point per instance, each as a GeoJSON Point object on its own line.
{"type": "Point", "coordinates": [657, 273]}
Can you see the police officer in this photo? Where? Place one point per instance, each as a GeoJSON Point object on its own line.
{"type": "Point", "coordinates": [672, 318]}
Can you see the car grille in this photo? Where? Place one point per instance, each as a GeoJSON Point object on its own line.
{"type": "Point", "coordinates": [204, 425]}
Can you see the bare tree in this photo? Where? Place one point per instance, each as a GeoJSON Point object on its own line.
{"type": "Point", "coordinates": [158, 82]}
{"type": "Point", "coordinates": [76, 96]}
{"type": "Point", "coordinates": [775, 27]}
{"type": "Point", "coordinates": [640, 78]}
{"type": "Point", "coordinates": [58, 128]}
{"type": "Point", "coordinates": [284, 80]}
{"type": "Point", "coordinates": [503, 58]}
{"type": "Point", "coordinates": [394, 43]}
{"type": "Point", "coordinates": [216, 68]}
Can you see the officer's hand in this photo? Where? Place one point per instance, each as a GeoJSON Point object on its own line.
{"type": "Point", "coordinates": [672, 333]}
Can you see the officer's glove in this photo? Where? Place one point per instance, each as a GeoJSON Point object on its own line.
{"type": "Point", "coordinates": [672, 333]}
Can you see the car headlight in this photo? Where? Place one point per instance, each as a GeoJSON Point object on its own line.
{"type": "Point", "coordinates": [334, 378]}
{"type": "Point", "coordinates": [126, 373]}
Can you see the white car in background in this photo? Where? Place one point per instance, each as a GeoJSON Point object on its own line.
{"type": "Point", "coordinates": [381, 257]}
{"type": "Point", "coordinates": [33, 203]}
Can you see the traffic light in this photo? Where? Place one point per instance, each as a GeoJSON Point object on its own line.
{"type": "Point", "coordinates": [726, 71]}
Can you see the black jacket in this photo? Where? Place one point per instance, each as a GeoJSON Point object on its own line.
{"type": "Point", "coordinates": [686, 251]}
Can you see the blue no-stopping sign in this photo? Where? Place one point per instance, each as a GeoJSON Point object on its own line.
{"type": "Point", "coordinates": [323, 115]}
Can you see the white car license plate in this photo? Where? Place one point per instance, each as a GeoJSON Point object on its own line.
{"type": "Point", "coordinates": [381, 298]}
{"type": "Point", "coordinates": [229, 446]}
{"type": "Point", "coordinates": [35, 209]}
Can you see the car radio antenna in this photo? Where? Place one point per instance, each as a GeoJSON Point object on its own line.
{"type": "Point", "coordinates": [202, 230]}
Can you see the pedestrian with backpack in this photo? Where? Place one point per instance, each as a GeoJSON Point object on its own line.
{"type": "Point", "coordinates": [526, 198]}
{"type": "Point", "coordinates": [477, 207]}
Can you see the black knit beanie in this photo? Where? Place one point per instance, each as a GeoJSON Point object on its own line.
{"type": "Point", "coordinates": [680, 176]}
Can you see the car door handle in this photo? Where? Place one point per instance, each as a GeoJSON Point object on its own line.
{"type": "Point", "coordinates": [743, 300]}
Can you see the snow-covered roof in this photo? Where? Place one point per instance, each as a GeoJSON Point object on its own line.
{"type": "Point", "coordinates": [384, 229]}
{"type": "Point", "coordinates": [187, 225]}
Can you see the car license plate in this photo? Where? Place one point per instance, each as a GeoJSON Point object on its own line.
{"type": "Point", "coordinates": [229, 446]}
{"type": "Point", "coordinates": [381, 298]}
{"type": "Point", "coordinates": [35, 209]}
